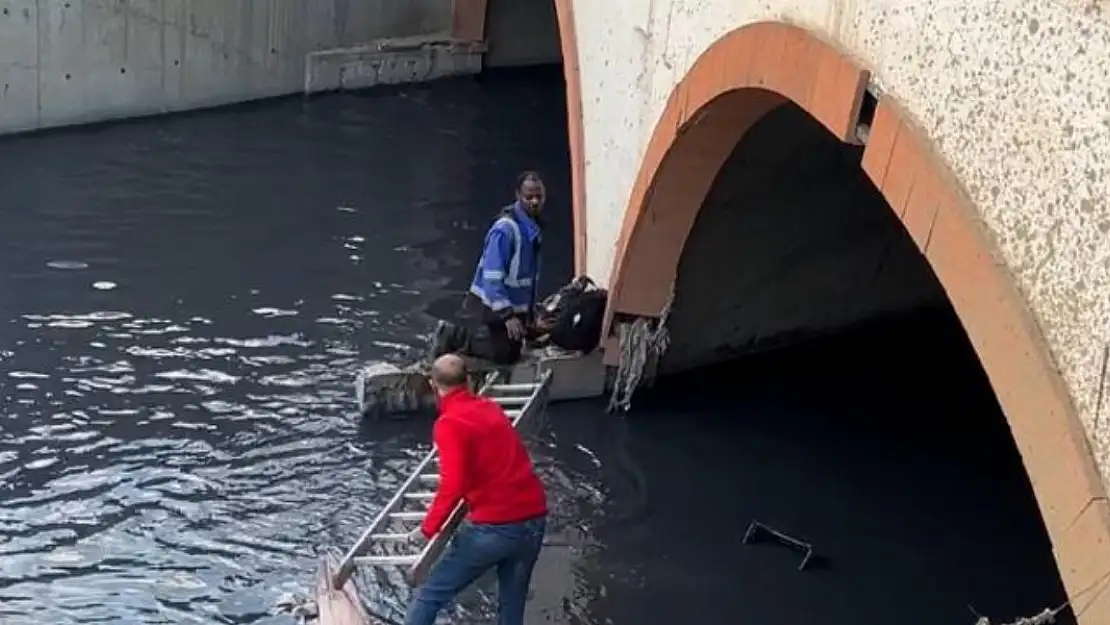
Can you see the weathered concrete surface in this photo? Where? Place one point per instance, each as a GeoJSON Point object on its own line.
{"type": "Point", "coordinates": [392, 61]}
{"type": "Point", "coordinates": [522, 32]}
{"type": "Point", "coordinates": [1012, 94]}
{"type": "Point", "coordinates": [792, 241]}
{"type": "Point", "coordinates": [994, 151]}
{"type": "Point", "coordinates": [78, 61]}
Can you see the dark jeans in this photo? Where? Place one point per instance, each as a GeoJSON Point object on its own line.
{"type": "Point", "coordinates": [477, 547]}
{"type": "Point", "coordinates": [480, 333]}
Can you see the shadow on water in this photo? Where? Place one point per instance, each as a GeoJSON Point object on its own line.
{"type": "Point", "coordinates": [884, 448]}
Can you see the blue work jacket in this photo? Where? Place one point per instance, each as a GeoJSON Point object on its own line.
{"type": "Point", "coordinates": [506, 277]}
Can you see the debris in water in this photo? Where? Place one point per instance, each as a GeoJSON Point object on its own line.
{"type": "Point", "coordinates": [67, 264]}
{"type": "Point", "coordinates": [383, 388]}
{"type": "Point", "coordinates": [301, 608]}
{"type": "Point", "coordinates": [642, 343]}
{"type": "Point", "coordinates": [757, 529]}
{"type": "Point", "coordinates": [1047, 617]}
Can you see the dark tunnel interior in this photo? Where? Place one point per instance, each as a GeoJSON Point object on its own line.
{"type": "Point", "coordinates": [826, 388]}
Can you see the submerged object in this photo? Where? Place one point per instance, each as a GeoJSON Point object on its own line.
{"type": "Point", "coordinates": [756, 530]}
{"type": "Point", "coordinates": [388, 391]}
{"type": "Point", "coordinates": [385, 389]}
{"type": "Point", "coordinates": [572, 316]}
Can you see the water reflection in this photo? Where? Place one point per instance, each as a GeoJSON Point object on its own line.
{"type": "Point", "coordinates": [188, 299]}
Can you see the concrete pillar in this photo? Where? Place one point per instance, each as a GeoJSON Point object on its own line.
{"type": "Point", "coordinates": [468, 19]}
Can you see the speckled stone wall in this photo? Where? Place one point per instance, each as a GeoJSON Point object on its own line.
{"type": "Point", "coordinates": [1011, 99]}
{"type": "Point", "coordinates": [1014, 96]}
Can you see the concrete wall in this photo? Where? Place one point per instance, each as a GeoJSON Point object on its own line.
{"type": "Point", "coordinates": [1012, 95]}
{"type": "Point", "coordinates": [76, 61]}
{"type": "Point", "coordinates": [522, 32]}
{"type": "Point", "coordinates": [793, 240]}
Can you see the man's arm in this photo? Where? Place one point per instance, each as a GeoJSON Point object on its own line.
{"type": "Point", "coordinates": [449, 439]}
{"type": "Point", "coordinates": [495, 265]}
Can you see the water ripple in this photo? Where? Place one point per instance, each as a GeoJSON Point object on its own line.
{"type": "Point", "coordinates": [189, 299]}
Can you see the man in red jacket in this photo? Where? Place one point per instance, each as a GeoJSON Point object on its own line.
{"type": "Point", "coordinates": [482, 461]}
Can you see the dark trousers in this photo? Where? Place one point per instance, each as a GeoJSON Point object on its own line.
{"type": "Point", "coordinates": [480, 333]}
{"type": "Point", "coordinates": [511, 548]}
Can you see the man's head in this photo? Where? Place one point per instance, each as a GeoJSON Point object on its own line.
{"type": "Point", "coordinates": [530, 192]}
{"type": "Point", "coordinates": [448, 373]}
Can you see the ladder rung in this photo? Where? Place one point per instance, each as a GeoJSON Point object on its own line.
{"type": "Point", "coordinates": [512, 388]}
{"type": "Point", "coordinates": [406, 560]}
{"type": "Point", "coordinates": [407, 516]}
{"type": "Point", "coordinates": [420, 495]}
{"type": "Point", "coordinates": [392, 538]}
{"type": "Point", "coordinates": [388, 530]}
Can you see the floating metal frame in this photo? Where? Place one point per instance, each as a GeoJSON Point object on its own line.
{"type": "Point", "coordinates": [532, 404]}
{"type": "Point", "coordinates": [755, 527]}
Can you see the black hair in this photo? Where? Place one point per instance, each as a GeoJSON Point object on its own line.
{"type": "Point", "coordinates": [525, 176]}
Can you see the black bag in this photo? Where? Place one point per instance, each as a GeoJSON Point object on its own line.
{"type": "Point", "coordinates": [575, 314]}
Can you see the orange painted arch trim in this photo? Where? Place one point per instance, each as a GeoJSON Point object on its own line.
{"type": "Point", "coordinates": [468, 19]}
{"type": "Point", "coordinates": [730, 87]}
{"type": "Point", "coordinates": [568, 41]}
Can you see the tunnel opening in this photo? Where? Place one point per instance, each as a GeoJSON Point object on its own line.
{"type": "Point", "coordinates": [843, 400]}
{"type": "Point", "coordinates": [793, 240]}
{"type": "Point", "coordinates": [521, 33]}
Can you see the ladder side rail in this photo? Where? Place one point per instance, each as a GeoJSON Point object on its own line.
{"type": "Point", "coordinates": [538, 403]}
{"type": "Point", "coordinates": [347, 564]}
{"type": "Point", "coordinates": [438, 544]}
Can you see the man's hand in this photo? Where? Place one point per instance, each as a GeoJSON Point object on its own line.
{"type": "Point", "coordinates": [416, 535]}
{"type": "Point", "coordinates": [515, 328]}
{"type": "Point", "coordinates": [544, 324]}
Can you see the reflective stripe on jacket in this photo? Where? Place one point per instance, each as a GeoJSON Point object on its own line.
{"type": "Point", "coordinates": [505, 279]}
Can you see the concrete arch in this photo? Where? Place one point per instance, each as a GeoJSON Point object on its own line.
{"type": "Point", "coordinates": [754, 69]}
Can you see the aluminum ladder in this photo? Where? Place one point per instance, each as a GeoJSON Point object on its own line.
{"type": "Point", "coordinates": [387, 542]}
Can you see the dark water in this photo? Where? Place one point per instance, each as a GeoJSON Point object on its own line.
{"type": "Point", "coordinates": [174, 448]}
{"type": "Point", "coordinates": [898, 472]}
{"type": "Point", "coordinates": [187, 298]}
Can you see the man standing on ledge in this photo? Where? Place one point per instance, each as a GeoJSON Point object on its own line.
{"type": "Point", "coordinates": [483, 462]}
{"type": "Point", "coordinates": [501, 302]}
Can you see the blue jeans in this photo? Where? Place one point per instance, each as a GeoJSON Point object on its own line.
{"type": "Point", "coordinates": [477, 547]}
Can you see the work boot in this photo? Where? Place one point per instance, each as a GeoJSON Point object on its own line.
{"type": "Point", "coordinates": [440, 341]}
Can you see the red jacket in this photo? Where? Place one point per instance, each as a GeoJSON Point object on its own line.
{"type": "Point", "coordinates": [483, 462]}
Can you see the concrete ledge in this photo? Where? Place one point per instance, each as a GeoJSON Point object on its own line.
{"type": "Point", "coordinates": [384, 390]}
{"type": "Point", "coordinates": [575, 376]}
{"type": "Point", "coordinates": [391, 62]}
